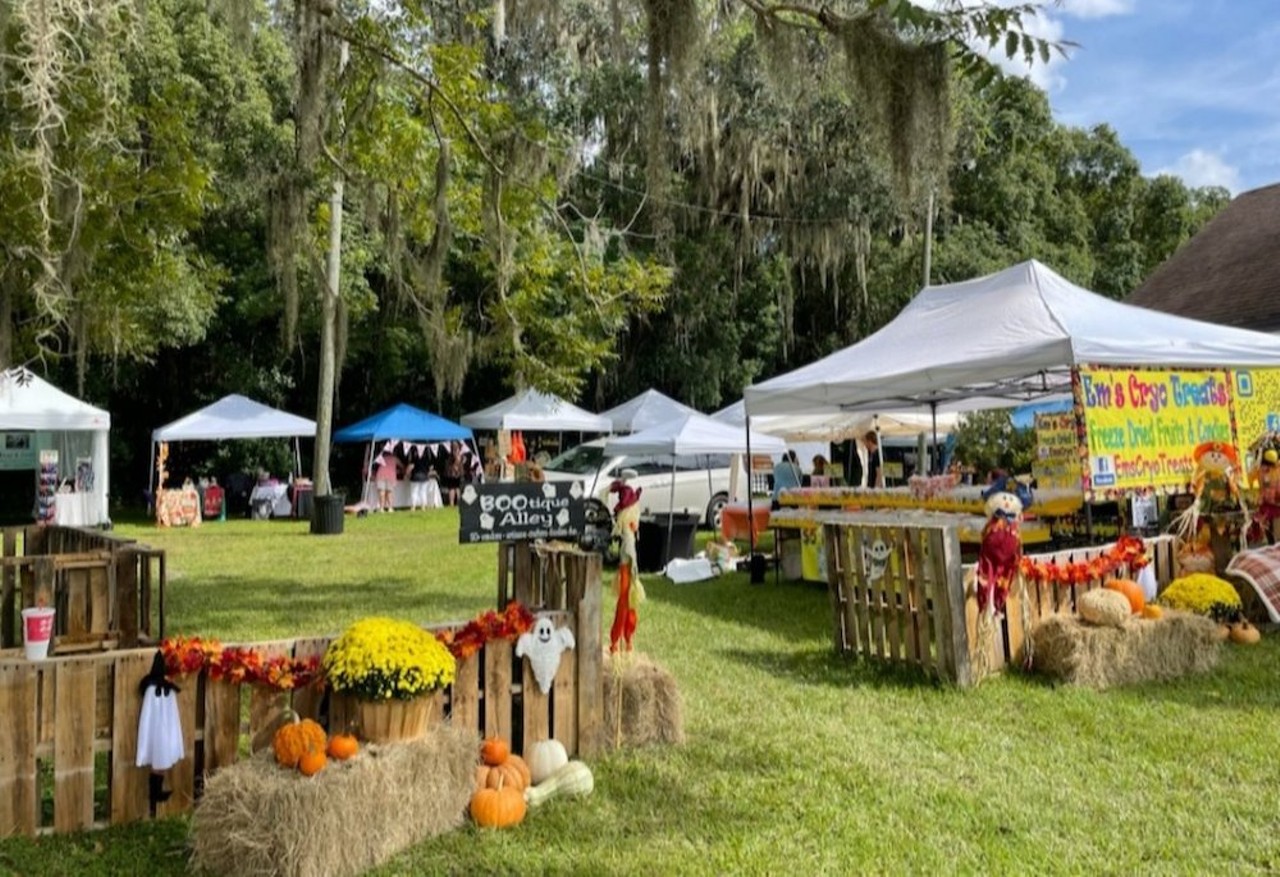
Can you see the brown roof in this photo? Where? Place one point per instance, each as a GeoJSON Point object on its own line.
{"type": "Point", "coordinates": [1229, 273]}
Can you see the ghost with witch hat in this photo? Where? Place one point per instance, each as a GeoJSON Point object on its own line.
{"type": "Point", "coordinates": [160, 744]}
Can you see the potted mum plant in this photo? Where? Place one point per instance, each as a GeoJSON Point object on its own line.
{"type": "Point", "coordinates": [382, 674]}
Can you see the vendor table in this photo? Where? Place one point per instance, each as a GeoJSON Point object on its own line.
{"type": "Point", "coordinates": [178, 508]}
{"type": "Point", "coordinates": [272, 496]}
{"type": "Point", "coordinates": [734, 516]}
{"type": "Point", "coordinates": [76, 510]}
{"type": "Point", "coordinates": [808, 523]}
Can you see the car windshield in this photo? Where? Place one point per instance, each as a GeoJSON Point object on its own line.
{"type": "Point", "coordinates": [582, 460]}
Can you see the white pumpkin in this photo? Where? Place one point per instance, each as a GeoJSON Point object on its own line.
{"type": "Point", "coordinates": [545, 758]}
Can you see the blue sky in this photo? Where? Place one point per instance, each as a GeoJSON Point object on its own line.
{"type": "Point", "coordinates": [1191, 86]}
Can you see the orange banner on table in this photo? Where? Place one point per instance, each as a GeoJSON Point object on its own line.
{"type": "Point", "coordinates": [1142, 426]}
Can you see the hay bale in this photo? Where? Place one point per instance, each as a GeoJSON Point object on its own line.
{"type": "Point", "coordinates": [1142, 650]}
{"type": "Point", "coordinates": [1104, 607]}
{"type": "Point", "coordinates": [642, 703]}
{"type": "Point", "coordinates": [256, 818]}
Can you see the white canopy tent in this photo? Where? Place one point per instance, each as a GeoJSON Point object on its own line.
{"type": "Point", "coordinates": [233, 417]}
{"type": "Point", "coordinates": [692, 434]}
{"type": "Point", "coordinates": [1014, 335]}
{"type": "Point", "coordinates": [77, 430]}
{"type": "Point", "coordinates": [650, 408]}
{"type": "Point", "coordinates": [534, 411]}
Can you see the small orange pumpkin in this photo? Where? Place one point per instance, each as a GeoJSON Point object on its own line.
{"type": "Point", "coordinates": [526, 775]}
{"type": "Point", "coordinates": [1152, 611]}
{"type": "Point", "coordinates": [312, 763]}
{"type": "Point", "coordinates": [343, 746]}
{"type": "Point", "coordinates": [1132, 592]}
{"type": "Point", "coordinates": [295, 739]}
{"type": "Point", "coordinates": [1245, 633]}
{"type": "Point", "coordinates": [498, 808]}
{"type": "Point", "coordinates": [494, 750]}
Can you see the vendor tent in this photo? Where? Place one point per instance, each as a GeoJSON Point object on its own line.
{"type": "Point", "coordinates": [403, 422]}
{"type": "Point", "coordinates": [693, 433]}
{"type": "Point", "coordinates": [839, 426]}
{"type": "Point", "coordinates": [233, 417]}
{"type": "Point", "coordinates": [1016, 334]}
{"type": "Point", "coordinates": [648, 409]}
{"type": "Point", "coordinates": [533, 411]}
{"type": "Point", "coordinates": [75, 429]}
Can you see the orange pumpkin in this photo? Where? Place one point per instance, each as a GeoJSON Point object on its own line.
{"type": "Point", "coordinates": [1132, 592]}
{"type": "Point", "coordinates": [494, 775]}
{"type": "Point", "coordinates": [526, 775]}
{"type": "Point", "coordinates": [498, 808]}
{"type": "Point", "coordinates": [343, 746]}
{"type": "Point", "coordinates": [295, 739]}
{"type": "Point", "coordinates": [312, 763]}
{"type": "Point", "coordinates": [1152, 611]}
{"type": "Point", "coordinates": [494, 750]}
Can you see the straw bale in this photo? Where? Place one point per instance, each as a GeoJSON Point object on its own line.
{"type": "Point", "coordinates": [256, 818]}
{"type": "Point", "coordinates": [642, 703]}
{"type": "Point", "coordinates": [1142, 650]}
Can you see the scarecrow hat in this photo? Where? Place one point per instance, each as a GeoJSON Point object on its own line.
{"type": "Point", "coordinates": [627, 495]}
{"type": "Point", "coordinates": [1219, 447]}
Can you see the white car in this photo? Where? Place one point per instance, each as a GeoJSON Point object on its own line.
{"type": "Point", "coordinates": [701, 481]}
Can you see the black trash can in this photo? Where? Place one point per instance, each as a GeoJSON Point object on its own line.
{"type": "Point", "coordinates": [653, 551]}
{"type": "Point", "coordinates": [326, 517]}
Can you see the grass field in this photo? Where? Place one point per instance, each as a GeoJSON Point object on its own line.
{"type": "Point", "coordinates": [797, 761]}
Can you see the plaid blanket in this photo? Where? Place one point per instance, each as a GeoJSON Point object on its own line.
{"type": "Point", "coordinates": [1261, 568]}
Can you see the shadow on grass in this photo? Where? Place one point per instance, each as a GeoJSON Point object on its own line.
{"type": "Point", "coordinates": [826, 668]}
{"type": "Point", "coordinates": [795, 609]}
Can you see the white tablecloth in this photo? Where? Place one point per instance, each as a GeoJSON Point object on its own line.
{"type": "Point", "coordinates": [277, 495]}
{"type": "Point", "coordinates": [76, 510]}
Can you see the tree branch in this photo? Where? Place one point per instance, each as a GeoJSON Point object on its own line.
{"type": "Point", "coordinates": [434, 87]}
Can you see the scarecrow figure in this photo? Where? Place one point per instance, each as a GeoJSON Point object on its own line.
{"type": "Point", "coordinates": [160, 744]}
{"type": "Point", "coordinates": [1215, 487]}
{"type": "Point", "coordinates": [1265, 475]}
{"type": "Point", "coordinates": [626, 524]}
{"type": "Point", "coordinates": [1000, 553]}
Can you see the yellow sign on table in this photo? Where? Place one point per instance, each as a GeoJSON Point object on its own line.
{"type": "Point", "coordinates": [1057, 463]}
{"type": "Point", "coordinates": [1143, 425]}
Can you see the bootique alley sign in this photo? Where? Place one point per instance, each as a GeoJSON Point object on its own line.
{"type": "Point", "coordinates": [507, 512]}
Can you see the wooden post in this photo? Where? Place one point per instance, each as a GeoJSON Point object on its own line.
{"type": "Point", "coordinates": [944, 548]}
{"type": "Point", "coordinates": [74, 694]}
{"type": "Point", "coordinates": [584, 581]}
{"type": "Point", "coordinates": [124, 572]}
{"type": "Point", "coordinates": [8, 592]}
{"type": "Point", "coordinates": [19, 801]}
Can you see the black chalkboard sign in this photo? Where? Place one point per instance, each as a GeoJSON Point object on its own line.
{"type": "Point", "coordinates": [506, 512]}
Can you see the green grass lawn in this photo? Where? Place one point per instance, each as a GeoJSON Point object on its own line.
{"type": "Point", "coordinates": [797, 761]}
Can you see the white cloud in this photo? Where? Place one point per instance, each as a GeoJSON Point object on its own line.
{"type": "Point", "coordinates": [1200, 167]}
{"type": "Point", "coordinates": [1097, 8]}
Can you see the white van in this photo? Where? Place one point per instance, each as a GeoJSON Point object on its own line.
{"type": "Point", "coordinates": [701, 481]}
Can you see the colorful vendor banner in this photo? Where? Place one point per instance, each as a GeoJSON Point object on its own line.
{"type": "Point", "coordinates": [1256, 392]}
{"type": "Point", "coordinates": [1142, 426]}
{"type": "Point", "coordinates": [1057, 462]}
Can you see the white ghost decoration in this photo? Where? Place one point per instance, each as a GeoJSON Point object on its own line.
{"type": "Point", "coordinates": [875, 558]}
{"type": "Point", "coordinates": [542, 646]}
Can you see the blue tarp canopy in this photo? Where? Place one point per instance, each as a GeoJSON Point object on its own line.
{"type": "Point", "coordinates": [403, 422]}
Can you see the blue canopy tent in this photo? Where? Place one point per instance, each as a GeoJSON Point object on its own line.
{"type": "Point", "coordinates": [399, 423]}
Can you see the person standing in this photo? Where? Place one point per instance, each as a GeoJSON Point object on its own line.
{"type": "Point", "coordinates": [786, 475]}
{"type": "Point", "coordinates": [385, 475]}
{"type": "Point", "coordinates": [875, 472]}
{"type": "Point", "coordinates": [453, 471]}
{"type": "Point", "coordinates": [419, 477]}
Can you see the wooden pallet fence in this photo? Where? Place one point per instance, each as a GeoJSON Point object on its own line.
{"type": "Point", "coordinates": [68, 725]}
{"type": "Point", "coordinates": [890, 588]}
{"type": "Point", "coordinates": [100, 585]}
{"type": "Point", "coordinates": [1043, 599]}
{"type": "Point", "coordinates": [898, 597]}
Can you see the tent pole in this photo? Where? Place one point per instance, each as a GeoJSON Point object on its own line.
{"type": "Point", "coordinates": [671, 506]}
{"type": "Point", "coordinates": [757, 567]}
{"type": "Point", "coordinates": [151, 476]}
{"type": "Point", "coordinates": [935, 459]}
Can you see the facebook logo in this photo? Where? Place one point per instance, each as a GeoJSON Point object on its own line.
{"type": "Point", "coordinates": [1244, 384]}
